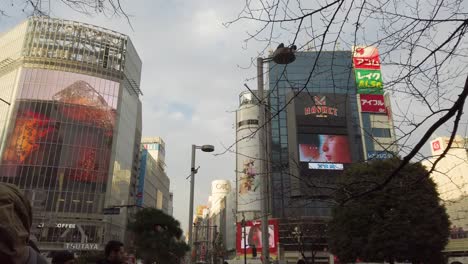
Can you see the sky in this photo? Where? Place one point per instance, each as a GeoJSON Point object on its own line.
{"type": "Point", "coordinates": [190, 82]}
{"type": "Point", "coordinates": [193, 71]}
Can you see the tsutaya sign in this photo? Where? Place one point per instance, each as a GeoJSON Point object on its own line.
{"type": "Point", "coordinates": [82, 246]}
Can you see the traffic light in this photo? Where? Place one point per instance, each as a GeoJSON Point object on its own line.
{"type": "Point", "coordinates": [254, 251]}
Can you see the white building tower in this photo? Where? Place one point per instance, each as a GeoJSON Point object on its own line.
{"type": "Point", "coordinates": [248, 171]}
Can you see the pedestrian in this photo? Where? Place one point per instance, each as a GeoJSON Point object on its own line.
{"type": "Point", "coordinates": [15, 225]}
{"type": "Point", "coordinates": [63, 257]}
{"type": "Point", "coordinates": [114, 253]}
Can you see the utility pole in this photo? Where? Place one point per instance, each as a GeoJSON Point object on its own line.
{"type": "Point", "coordinates": [261, 139]}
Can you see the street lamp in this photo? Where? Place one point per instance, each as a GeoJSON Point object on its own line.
{"type": "Point", "coordinates": [282, 55]}
{"type": "Point", "coordinates": [245, 238]}
{"type": "Point", "coordinates": [193, 171]}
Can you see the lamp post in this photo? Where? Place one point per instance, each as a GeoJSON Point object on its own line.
{"type": "Point", "coordinates": [245, 239]}
{"type": "Point", "coordinates": [282, 55]}
{"type": "Point", "coordinates": [193, 171]}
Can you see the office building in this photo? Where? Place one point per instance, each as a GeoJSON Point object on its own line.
{"type": "Point", "coordinates": [156, 147]}
{"type": "Point", "coordinates": [451, 177]}
{"type": "Point", "coordinates": [153, 183]}
{"type": "Point", "coordinates": [451, 172]}
{"type": "Point", "coordinates": [71, 129]}
{"type": "Point", "coordinates": [341, 104]}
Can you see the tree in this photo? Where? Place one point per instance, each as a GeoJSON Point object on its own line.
{"type": "Point", "coordinates": [88, 7]}
{"type": "Point", "coordinates": [422, 50]}
{"type": "Point", "coordinates": [402, 221]}
{"type": "Point", "coordinates": [158, 236]}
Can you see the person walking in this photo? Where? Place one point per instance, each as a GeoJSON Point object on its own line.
{"type": "Point", "coordinates": [114, 253]}
{"type": "Point", "coordinates": [63, 257]}
{"type": "Point", "coordinates": [15, 226]}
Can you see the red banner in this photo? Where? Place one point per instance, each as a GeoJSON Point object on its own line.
{"type": "Point", "coordinates": [253, 236]}
{"type": "Point", "coordinates": [366, 58]}
{"type": "Point", "coordinates": [373, 103]}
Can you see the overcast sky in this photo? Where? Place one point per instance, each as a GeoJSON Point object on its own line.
{"type": "Point", "coordinates": [190, 80]}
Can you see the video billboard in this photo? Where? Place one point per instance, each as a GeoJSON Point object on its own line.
{"type": "Point", "coordinates": [317, 149]}
{"type": "Point", "coordinates": [252, 235]}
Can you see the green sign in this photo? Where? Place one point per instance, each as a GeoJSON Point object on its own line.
{"type": "Point", "coordinates": [368, 81]}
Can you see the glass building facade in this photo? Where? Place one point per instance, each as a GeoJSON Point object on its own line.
{"type": "Point", "coordinates": [304, 107]}
{"type": "Point", "coordinates": [73, 115]}
{"type": "Point", "coordinates": [332, 74]}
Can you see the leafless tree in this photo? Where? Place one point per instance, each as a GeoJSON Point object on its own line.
{"type": "Point", "coordinates": [88, 7]}
{"type": "Point", "coordinates": [424, 56]}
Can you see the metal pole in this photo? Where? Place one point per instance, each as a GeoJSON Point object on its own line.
{"type": "Point", "coordinates": [245, 242]}
{"type": "Point", "coordinates": [192, 185]}
{"type": "Point", "coordinates": [261, 139]}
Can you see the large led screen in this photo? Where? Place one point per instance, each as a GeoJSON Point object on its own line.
{"type": "Point", "coordinates": [320, 148]}
{"type": "Point", "coordinates": [63, 128]}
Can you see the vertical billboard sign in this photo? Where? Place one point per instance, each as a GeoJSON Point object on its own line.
{"type": "Point", "coordinates": [253, 236]}
{"type": "Point", "coordinates": [372, 103]}
{"type": "Point", "coordinates": [366, 58]}
{"type": "Point", "coordinates": [369, 81]}
{"type": "Point", "coordinates": [366, 63]}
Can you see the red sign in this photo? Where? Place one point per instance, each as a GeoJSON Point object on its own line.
{"type": "Point", "coordinates": [366, 58]}
{"type": "Point", "coordinates": [253, 236]}
{"type": "Point", "coordinates": [373, 103]}
{"type": "Point", "coordinates": [436, 145]}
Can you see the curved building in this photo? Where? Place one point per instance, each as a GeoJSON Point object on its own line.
{"type": "Point", "coordinates": [70, 128]}
{"type": "Point", "coordinates": [248, 172]}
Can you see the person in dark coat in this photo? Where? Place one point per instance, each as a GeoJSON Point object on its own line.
{"type": "Point", "coordinates": [63, 257]}
{"type": "Point", "coordinates": [114, 253]}
{"type": "Point", "coordinates": [15, 225]}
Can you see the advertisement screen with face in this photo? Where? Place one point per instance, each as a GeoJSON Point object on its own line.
{"type": "Point", "coordinates": [324, 148]}
{"type": "Point", "coordinates": [253, 237]}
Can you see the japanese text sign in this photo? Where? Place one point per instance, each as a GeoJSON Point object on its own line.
{"type": "Point", "coordinates": [366, 58]}
{"type": "Point", "coordinates": [372, 103]}
{"type": "Point", "coordinates": [369, 81]}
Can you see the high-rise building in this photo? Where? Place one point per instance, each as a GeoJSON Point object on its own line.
{"type": "Point", "coordinates": [451, 172]}
{"type": "Point", "coordinates": [156, 148]}
{"type": "Point", "coordinates": [451, 177]}
{"type": "Point", "coordinates": [71, 128]}
{"type": "Point", "coordinates": [153, 183]}
{"type": "Point", "coordinates": [327, 110]}
{"type": "Point", "coordinates": [171, 204]}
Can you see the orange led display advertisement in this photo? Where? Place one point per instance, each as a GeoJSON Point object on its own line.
{"type": "Point", "coordinates": [65, 123]}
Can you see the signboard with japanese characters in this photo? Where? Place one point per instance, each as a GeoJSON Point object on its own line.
{"type": "Point", "coordinates": [379, 155]}
{"type": "Point", "coordinates": [365, 57]}
{"type": "Point", "coordinates": [372, 103]}
{"type": "Point", "coordinates": [368, 81]}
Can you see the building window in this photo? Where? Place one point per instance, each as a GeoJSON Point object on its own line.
{"type": "Point", "coordinates": [381, 132]}
{"type": "Point", "coordinates": [248, 122]}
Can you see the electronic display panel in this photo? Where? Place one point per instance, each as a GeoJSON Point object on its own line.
{"type": "Point", "coordinates": [317, 149]}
